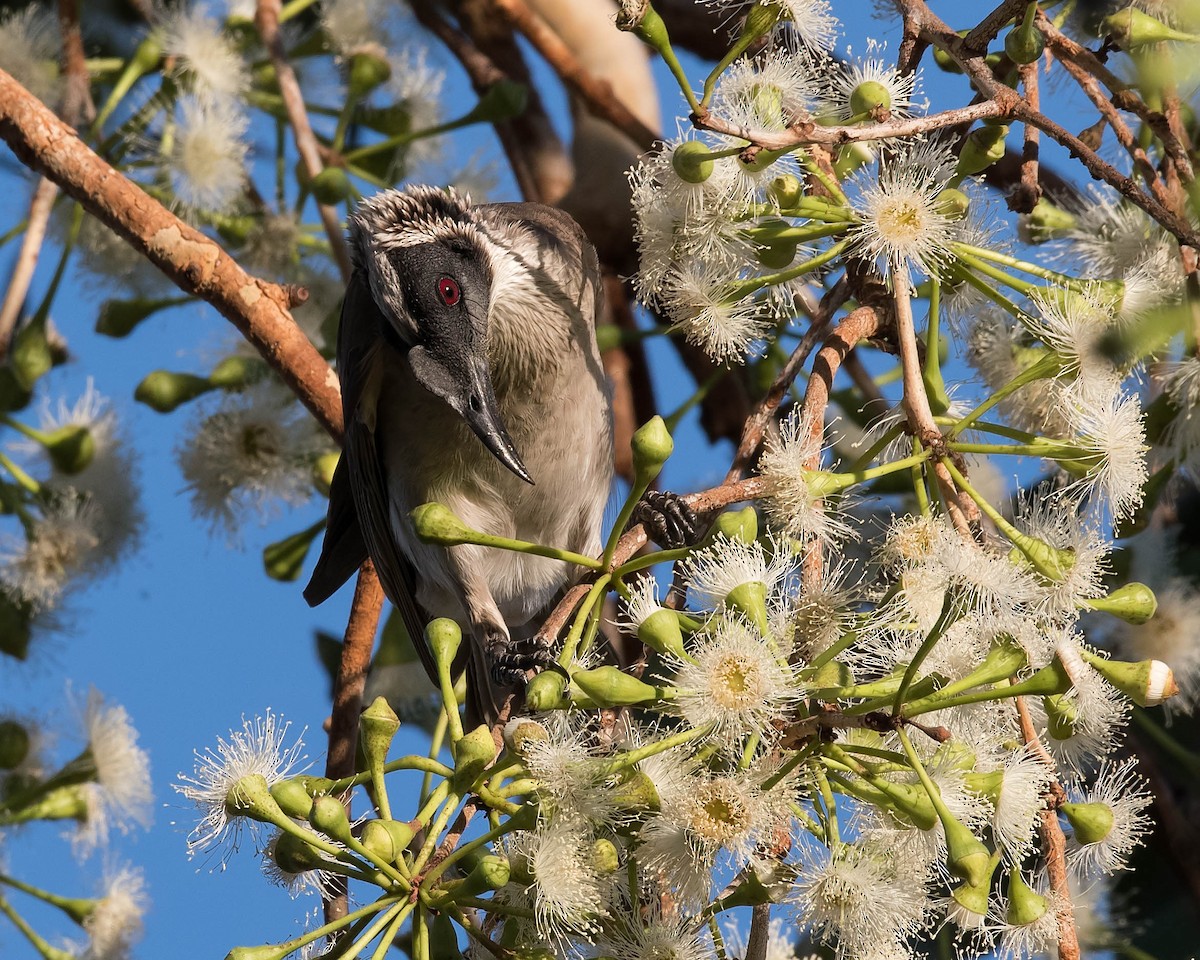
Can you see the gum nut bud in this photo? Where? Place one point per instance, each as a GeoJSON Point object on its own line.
{"type": "Point", "coordinates": [329, 816]}
{"type": "Point", "coordinates": [503, 100]}
{"type": "Point", "coordinates": [293, 798]}
{"type": "Point", "coordinates": [147, 55]}
{"type": "Point", "coordinates": [520, 733]}
{"type": "Point", "coordinates": [913, 802]}
{"type": "Point", "coordinates": [605, 858]}
{"type": "Point", "coordinates": [367, 71]}
{"type": "Point", "coordinates": [1024, 46]}
{"type": "Point", "coordinates": [331, 186]}
{"type": "Point", "coordinates": [785, 190]}
{"type": "Point", "coordinates": [966, 855]}
{"type": "Point", "coordinates": [472, 754]}
{"type": "Point", "coordinates": [750, 600]}
{"type": "Point", "coordinates": [379, 842]}
{"type": "Point", "coordinates": [118, 318]}
{"type": "Point", "coordinates": [1146, 682]}
{"type": "Point", "coordinates": [952, 203]}
{"type": "Point", "coordinates": [611, 687]}
{"type": "Point", "coordinates": [236, 371]}
{"type": "Point", "coordinates": [832, 674]}
{"type": "Point", "coordinates": [945, 61]}
{"type": "Point", "coordinates": [293, 854]}
{"type": "Point", "coordinates": [14, 744]}
{"type": "Point", "coordinates": [284, 559]}
{"type": "Point", "coordinates": [987, 785]}
{"type": "Point", "coordinates": [71, 448]}
{"type": "Point", "coordinates": [660, 632]}
{"type": "Point", "coordinates": [608, 337]}
{"type": "Point", "coordinates": [983, 147]}
{"type": "Point", "coordinates": [692, 161]}
{"type": "Point", "coordinates": [251, 797]}
{"type": "Point", "coordinates": [869, 96]}
{"type": "Point", "coordinates": [1061, 717]}
{"type": "Point", "coordinates": [1133, 28]}
{"type": "Point", "coordinates": [437, 523]}
{"type": "Point", "coordinates": [490, 873]}
{"type": "Point", "coordinates": [1091, 822]}
{"type": "Point", "coordinates": [1025, 905]}
{"type": "Point", "coordinates": [323, 468]}
{"type": "Point", "coordinates": [1133, 602]}
{"type": "Point", "coordinates": [164, 391]}
{"type": "Point", "coordinates": [443, 636]}
{"type": "Point", "coordinates": [376, 728]}
{"type": "Point", "coordinates": [315, 786]}
{"type": "Point", "coordinates": [762, 18]}
{"type": "Point", "coordinates": [546, 691]}
{"type": "Point", "coordinates": [30, 356]}
{"type": "Point", "coordinates": [652, 445]}
{"type": "Point", "coordinates": [443, 938]}
{"type": "Point", "coordinates": [776, 255]}
{"type": "Point", "coordinates": [1046, 222]}
{"type": "Point", "coordinates": [637, 792]}
{"type": "Point", "coordinates": [741, 525]}
{"type": "Point", "coordinates": [972, 897]}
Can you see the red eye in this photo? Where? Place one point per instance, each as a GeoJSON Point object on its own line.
{"type": "Point", "coordinates": [448, 291]}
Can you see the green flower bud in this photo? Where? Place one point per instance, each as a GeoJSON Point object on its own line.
{"type": "Point", "coordinates": [14, 744]}
{"type": "Point", "coordinates": [443, 636]}
{"type": "Point", "coordinates": [379, 841]}
{"type": "Point", "coordinates": [472, 754]}
{"type": "Point", "coordinates": [165, 391]}
{"type": "Point", "coordinates": [323, 468]}
{"type": "Point", "coordinates": [236, 371]}
{"type": "Point", "coordinates": [1133, 28]}
{"type": "Point", "coordinates": [692, 161]}
{"type": "Point", "coordinates": [910, 801]}
{"type": "Point", "coordinates": [294, 855]}
{"type": "Point", "coordinates": [738, 524]}
{"type": "Point", "coordinates": [611, 687]}
{"type": "Point", "coordinates": [329, 816]}
{"type": "Point", "coordinates": [605, 858]}
{"type": "Point", "coordinates": [264, 77]}
{"type": "Point", "coordinates": [1091, 822]}
{"type": "Point", "coordinates": [1025, 905]}
{"type": "Point", "coordinates": [437, 523]}
{"type": "Point", "coordinates": [1147, 682]}
{"type": "Point", "coordinates": [750, 600]}
{"type": "Point", "coordinates": [251, 797]}
{"type": "Point", "coordinates": [953, 203]}
{"type": "Point", "coordinates": [376, 728]}
{"type": "Point", "coordinates": [1024, 43]}
{"type": "Point", "coordinates": [293, 798]}
{"type": "Point", "coordinates": [284, 559]}
{"type": "Point", "coordinates": [1045, 222]}
{"type": "Point", "coordinates": [367, 71]}
{"type": "Point", "coordinates": [546, 691]}
{"type": "Point", "coordinates": [331, 186]}
{"type": "Point", "coordinates": [1062, 715]}
{"type": "Point", "coordinates": [870, 97]}
{"type": "Point", "coordinates": [31, 355]}
{"type": "Point", "coordinates": [1133, 602]}
{"type": "Point", "coordinates": [988, 784]}
{"type": "Point", "coordinates": [71, 448]}
{"type": "Point", "coordinates": [637, 792]}
{"type": "Point", "coordinates": [490, 873]}
{"type": "Point", "coordinates": [983, 147]}
{"type": "Point", "coordinates": [652, 445]}
{"type": "Point", "coordinates": [393, 120]}
{"type": "Point", "coordinates": [147, 55]}
{"type": "Point", "coordinates": [503, 100]}
{"type": "Point", "coordinates": [118, 318]}
{"type": "Point", "coordinates": [832, 675]}
{"type": "Point", "coordinates": [520, 733]}
{"type": "Point", "coordinates": [761, 19]}
{"type": "Point", "coordinates": [966, 855]}
{"type": "Point", "coordinates": [777, 254]}
{"type": "Point", "coordinates": [785, 190]}
{"type": "Point", "coordinates": [608, 337]}
{"type": "Point", "coordinates": [660, 632]}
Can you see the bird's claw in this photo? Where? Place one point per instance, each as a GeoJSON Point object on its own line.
{"type": "Point", "coordinates": [511, 660]}
{"type": "Point", "coordinates": [668, 520]}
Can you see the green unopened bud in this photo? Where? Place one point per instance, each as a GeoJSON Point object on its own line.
{"type": "Point", "coordinates": [785, 190]}
{"type": "Point", "coordinates": [1005, 657]}
{"type": "Point", "coordinates": [236, 372]}
{"type": "Point", "coordinates": [376, 728]}
{"type": "Point", "coordinates": [71, 448]}
{"type": "Point", "coordinates": [472, 754]}
{"type": "Point", "coordinates": [611, 687]}
{"type": "Point", "coordinates": [776, 254]}
{"type": "Point", "coordinates": [972, 898]}
{"type": "Point", "coordinates": [490, 873]}
{"type": "Point", "coordinates": [1133, 28]}
{"type": "Point", "coordinates": [832, 675]}
{"type": "Point", "coordinates": [293, 798]}
{"type": "Point", "coordinates": [380, 840]}
{"type": "Point", "coordinates": [329, 816]}
{"type": "Point", "coordinates": [910, 801]}
{"type": "Point", "coordinates": [761, 19]}
{"type": "Point", "coordinates": [1025, 905]}
{"type": "Point", "coordinates": [1024, 43]}
{"type": "Point", "coordinates": [750, 600]}
{"type": "Point", "coordinates": [660, 632]}
{"type": "Point", "coordinates": [1133, 602]}
{"type": "Point", "coordinates": [521, 733]}
{"type": "Point", "coordinates": [293, 854]}
{"type": "Point", "coordinates": [437, 523]}
{"type": "Point", "coordinates": [1045, 222]}
{"type": "Point", "coordinates": [322, 471]}
{"type": "Point", "coordinates": [1053, 564]}
{"type": "Point", "coordinates": [165, 391]}
{"type": "Point", "coordinates": [443, 637]}
{"type": "Point", "coordinates": [870, 97]}
{"type": "Point", "coordinates": [692, 161]}
{"type": "Point", "coordinates": [264, 76]}
{"type": "Point", "coordinates": [391, 120]}
{"type": "Point", "coordinates": [983, 147]}
{"type": "Point", "coordinates": [118, 318]}
{"type": "Point", "coordinates": [251, 797]}
{"type": "Point", "coordinates": [31, 355]}
{"type": "Point", "coordinates": [953, 204]}
{"type": "Point", "coordinates": [546, 691]}
{"type": "Point", "coordinates": [1146, 682]}
{"type": "Point", "coordinates": [637, 792]}
{"type": "Point", "coordinates": [1062, 716]}
{"type": "Point", "coordinates": [605, 859]}
{"type": "Point", "coordinates": [503, 100]}
{"type": "Point", "coordinates": [652, 445]}
{"type": "Point", "coordinates": [14, 744]}
{"type": "Point", "coordinates": [284, 559]}
{"type": "Point", "coordinates": [1091, 822]}
{"type": "Point", "coordinates": [741, 525]}
{"type": "Point", "coordinates": [966, 855]}
{"type": "Point", "coordinates": [331, 186]}
{"type": "Point", "coordinates": [443, 938]}
{"type": "Point", "coordinates": [367, 71]}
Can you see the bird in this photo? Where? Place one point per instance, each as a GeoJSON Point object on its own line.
{"type": "Point", "coordinates": [470, 376]}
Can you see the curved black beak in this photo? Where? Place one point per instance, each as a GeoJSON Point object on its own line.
{"type": "Point", "coordinates": [461, 377]}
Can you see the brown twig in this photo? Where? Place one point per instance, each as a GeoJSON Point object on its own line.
{"type": "Point", "coordinates": [266, 18]}
{"type": "Point", "coordinates": [596, 94]}
{"type": "Point", "coordinates": [1029, 190]}
{"type": "Point", "coordinates": [193, 261]}
{"type": "Point", "coordinates": [983, 34]}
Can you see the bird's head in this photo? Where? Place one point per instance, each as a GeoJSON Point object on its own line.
{"type": "Point", "coordinates": [430, 273]}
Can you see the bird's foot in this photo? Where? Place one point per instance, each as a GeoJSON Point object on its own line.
{"type": "Point", "coordinates": [512, 659]}
{"type": "Point", "coordinates": [668, 520]}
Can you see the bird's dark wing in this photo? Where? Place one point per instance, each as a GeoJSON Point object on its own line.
{"type": "Point", "coordinates": [343, 550]}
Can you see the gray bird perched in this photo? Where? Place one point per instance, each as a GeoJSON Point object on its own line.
{"type": "Point", "coordinates": [470, 376]}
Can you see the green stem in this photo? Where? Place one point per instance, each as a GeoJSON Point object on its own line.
{"type": "Point", "coordinates": [983, 253]}
{"type": "Point", "coordinates": [1023, 287]}
{"type": "Point", "coordinates": [630, 757]}
{"type": "Point", "coordinates": [744, 288]}
{"type": "Point", "coordinates": [39, 944]}
{"type": "Point", "coordinates": [951, 613]}
{"type": "Point", "coordinates": [1048, 366]}
{"type": "Point", "coordinates": [572, 642]}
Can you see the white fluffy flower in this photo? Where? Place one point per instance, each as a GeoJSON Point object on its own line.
{"type": "Point", "coordinates": [207, 164]}
{"type": "Point", "coordinates": [698, 302]}
{"type": "Point", "coordinates": [873, 75]}
{"type": "Point", "coordinates": [60, 546]}
{"type": "Point", "coordinates": [205, 54]}
{"type": "Point", "coordinates": [786, 462]}
{"type": "Point", "coordinates": [29, 50]}
{"type": "Point", "coordinates": [115, 922]}
{"type": "Point", "coordinates": [1112, 437]}
{"type": "Point", "coordinates": [1113, 810]}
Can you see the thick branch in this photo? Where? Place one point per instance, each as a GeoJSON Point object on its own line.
{"type": "Point", "coordinates": [193, 261]}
